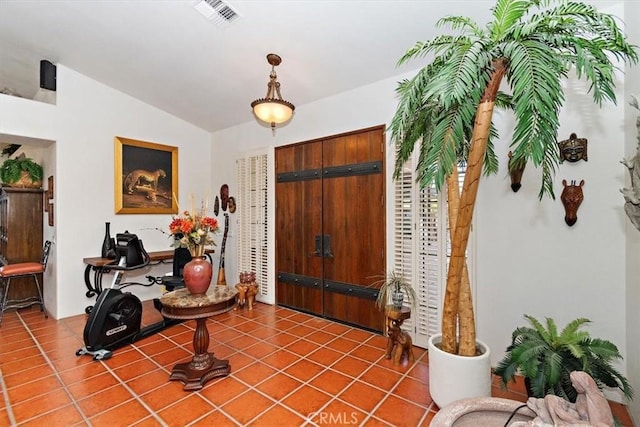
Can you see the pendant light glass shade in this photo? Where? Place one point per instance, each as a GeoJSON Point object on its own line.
{"type": "Point", "coordinates": [272, 108]}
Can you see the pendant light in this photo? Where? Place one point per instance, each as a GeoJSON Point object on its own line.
{"type": "Point", "coordinates": [272, 108]}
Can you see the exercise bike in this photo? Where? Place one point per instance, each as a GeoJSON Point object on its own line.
{"type": "Point", "coordinates": [115, 319]}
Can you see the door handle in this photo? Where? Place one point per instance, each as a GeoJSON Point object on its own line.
{"type": "Point", "coordinates": [318, 247]}
{"type": "Point", "coordinates": [326, 244]}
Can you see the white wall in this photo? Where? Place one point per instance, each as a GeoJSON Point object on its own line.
{"type": "Point", "coordinates": [83, 124]}
{"type": "Point", "coordinates": [368, 106]}
{"type": "Point", "coordinates": [632, 248]}
{"type": "Point", "coordinates": [528, 260]}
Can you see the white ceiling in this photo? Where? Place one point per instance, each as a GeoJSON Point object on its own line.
{"type": "Point", "coordinates": [166, 54]}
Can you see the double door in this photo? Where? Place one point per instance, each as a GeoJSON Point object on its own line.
{"type": "Point", "coordinates": [330, 226]}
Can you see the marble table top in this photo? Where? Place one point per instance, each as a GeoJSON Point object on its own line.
{"type": "Point", "coordinates": [181, 304]}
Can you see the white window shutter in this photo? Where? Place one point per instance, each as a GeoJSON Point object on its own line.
{"type": "Point", "coordinates": [252, 254]}
{"type": "Point", "coordinates": [421, 250]}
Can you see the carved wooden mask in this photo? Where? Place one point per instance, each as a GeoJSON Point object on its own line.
{"type": "Point", "coordinates": [571, 199]}
{"type": "Point", "coordinates": [573, 149]}
{"type": "Point", "coordinates": [516, 169]}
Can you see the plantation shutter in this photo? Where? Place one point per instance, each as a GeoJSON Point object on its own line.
{"type": "Point", "coordinates": [421, 249]}
{"type": "Point", "coordinates": [431, 270]}
{"type": "Point", "coordinates": [404, 239]}
{"type": "Point", "coordinates": [252, 254]}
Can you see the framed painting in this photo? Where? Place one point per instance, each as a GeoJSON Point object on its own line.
{"type": "Point", "coordinates": [146, 177]}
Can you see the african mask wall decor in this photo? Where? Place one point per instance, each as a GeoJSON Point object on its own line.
{"type": "Point", "coordinates": [571, 199]}
{"type": "Point", "coordinates": [516, 169]}
{"type": "Point", "coordinates": [573, 149]}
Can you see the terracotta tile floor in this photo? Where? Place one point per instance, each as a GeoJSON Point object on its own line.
{"type": "Point", "coordinates": [288, 369]}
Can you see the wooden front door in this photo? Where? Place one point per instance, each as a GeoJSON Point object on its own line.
{"type": "Point", "coordinates": [330, 226]}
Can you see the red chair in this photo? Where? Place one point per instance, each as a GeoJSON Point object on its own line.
{"type": "Point", "coordinates": [23, 269]}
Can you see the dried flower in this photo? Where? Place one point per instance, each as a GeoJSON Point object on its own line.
{"type": "Point", "coordinates": [192, 229]}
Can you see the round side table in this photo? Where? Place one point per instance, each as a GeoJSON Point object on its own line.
{"type": "Point", "coordinates": [180, 304]}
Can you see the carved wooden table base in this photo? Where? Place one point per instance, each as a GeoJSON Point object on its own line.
{"type": "Point", "coordinates": [180, 304]}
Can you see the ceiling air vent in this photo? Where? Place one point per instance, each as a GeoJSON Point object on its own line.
{"type": "Point", "coordinates": [217, 11]}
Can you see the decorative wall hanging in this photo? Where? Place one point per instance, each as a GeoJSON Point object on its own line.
{"type": "Point", "coordinates": [516, 169]}
{"type": "Point", "coordinates": [632, 195]}
{"type": "Point", "coordinates": [48, 203]}
{"type": "Point", "coordinates": [216, 206]}
{"type": "Point", "coordinates": [571, 199]}
{"type": "Point", "coordinates": [222, 279]}
{"type": "Point", "coordinates": [232, 205]}
{"type": "Point", "coordinates": [224, 197]}
{"type": "Point", "coordinates": [573, 149]}
{"type": "Point", "coordinates": [146, 177]}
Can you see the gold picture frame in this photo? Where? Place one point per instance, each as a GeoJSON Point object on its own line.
{"type": "Point", "coordinates": [146, 177]}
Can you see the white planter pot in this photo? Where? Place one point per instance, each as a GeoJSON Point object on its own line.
{"type": "Point", "coordinates": [453, 377]}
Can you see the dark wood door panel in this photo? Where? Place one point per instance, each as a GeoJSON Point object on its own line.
{"type": "Point", "coordinates": [299, 297]}
{"type": "Point", "coordinates": [330, 224]}
{"type": "Point", "coordinates": [354, 219]}
{"type": "Point", "coordinates": [298, 221]}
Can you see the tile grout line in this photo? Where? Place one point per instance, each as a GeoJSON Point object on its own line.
{"type": "Point", "coordinates": [134, 395]}
{"type": "Point", "coordinates": [264, 340]}
{"type": "Point", "coordinates": [280, 371]}
{"type": "Point", "coordinates": [7, 402]}
{"type": "Point", "coordinates": [321, 346]}
{"type": "Point", "coordinates": [55, 371]}
{"type": "Point", "coordinates": [302, 357]}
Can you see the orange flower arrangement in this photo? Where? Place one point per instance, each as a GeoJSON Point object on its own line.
{"type": "Point", "coordinates": [193, 230]}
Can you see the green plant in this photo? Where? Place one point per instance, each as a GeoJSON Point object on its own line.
{"type": "Point", "coordinates": [447, 108]}
{"type": "Point", "coordinates": [546, 358]}
{"type": "Point", "coordinates": [11, 169]}
{"type": "Point", "coordinates": [394, 282]}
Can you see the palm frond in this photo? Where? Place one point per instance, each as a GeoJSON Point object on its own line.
{"type": "Point", "coordinates": [534, 75]}
{"type": "Point", "coordinates": [462, 23]}
{"type": "Point", "coordinates": [436, 45]}
{"type": "Point", "coordinates": [544, 334]}
{"type": "Point", "coordinates": [572, 327]}
{"type": "Point", "coordinates": [506, 13]}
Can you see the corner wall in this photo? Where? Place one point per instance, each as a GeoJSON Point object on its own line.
{"type": "Point", "coordinates": [83, 124]}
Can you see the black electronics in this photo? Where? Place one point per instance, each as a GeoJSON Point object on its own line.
{"type": "Point", "coordinates": [47, 75]}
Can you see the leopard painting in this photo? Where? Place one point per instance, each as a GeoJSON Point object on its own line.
{"type": "Point", "coordinates": [142, 177]}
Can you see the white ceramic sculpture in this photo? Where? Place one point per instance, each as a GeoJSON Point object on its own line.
{"type": "Point", "coordinates": [632, 195]}
{"type": "Point", "coordinates": [590, 409]}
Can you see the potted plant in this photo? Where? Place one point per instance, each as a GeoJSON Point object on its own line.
{"type": "Point", "coordinates": [394, 287]}
{"type": "Point", "coordinates": [21, 172]}
{"type": "Point", "coordinates": [447, 108]}
{"type": "Point", "coordinates": [545, 358]}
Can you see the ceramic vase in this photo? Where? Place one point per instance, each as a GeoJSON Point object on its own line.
{"type": "Point", "coordinates": [197, 273]}
{"type": "Point", "coordinates": [397, 298]}
{"type": "Point", "coordinates": [108, 244]}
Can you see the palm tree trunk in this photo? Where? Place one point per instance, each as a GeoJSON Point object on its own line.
{"type": "Point", "coordinates": [466, 318]}
{"type": "Point", "coordinates": [460, 239]}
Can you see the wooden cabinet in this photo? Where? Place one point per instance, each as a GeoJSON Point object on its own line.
{"type": "Point", "coordinates": [21, 234]}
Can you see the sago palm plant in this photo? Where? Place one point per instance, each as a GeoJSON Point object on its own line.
{"type": "Point", "coordinates": [447, 109]}
{"type": "Point", "coordinates": [546, 358]}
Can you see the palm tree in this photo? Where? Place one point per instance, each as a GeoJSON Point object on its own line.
{"type": "Point", "coordinates": [448, 107]}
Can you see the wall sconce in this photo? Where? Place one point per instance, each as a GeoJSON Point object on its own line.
{"type": "Point", "coordinates": [272, 108]}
